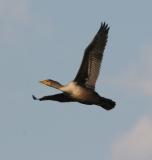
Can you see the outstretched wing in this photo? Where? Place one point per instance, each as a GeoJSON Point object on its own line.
{"type": "Point", "coordinates": [57, 97]}
{"type": "Point", "coordinates": [90, 66]}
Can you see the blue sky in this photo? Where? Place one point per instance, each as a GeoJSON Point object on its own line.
{"type": "Point", "coordinates": [46, 39]}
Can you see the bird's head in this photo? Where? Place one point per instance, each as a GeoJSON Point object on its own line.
{"type": "Point", "coordinates": [51, 83]}
{"type": "Point", "coordinates": [46, 82]}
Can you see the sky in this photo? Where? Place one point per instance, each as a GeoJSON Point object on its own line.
{"type": "Point", "coordinates": [46, 39]}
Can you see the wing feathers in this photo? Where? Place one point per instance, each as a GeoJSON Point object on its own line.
{"type": "Point", "coordinates": [57, 97]}
{"type": "Point", "coordinates": [90, 66]}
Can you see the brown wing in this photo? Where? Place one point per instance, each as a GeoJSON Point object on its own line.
{"type": "Point", "coordinates": [90, 66]}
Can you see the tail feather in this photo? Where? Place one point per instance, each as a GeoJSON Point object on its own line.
{"type": "Point", "coordinates": [107, 104]}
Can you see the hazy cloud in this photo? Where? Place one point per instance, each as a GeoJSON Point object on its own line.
{"type": "Point", "coordinates": [16, 19]}
{"type": "Point", "coordinates": [136, 144]}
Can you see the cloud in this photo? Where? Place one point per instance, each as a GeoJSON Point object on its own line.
{"type": "Point", "coordinates": [136, 144]}
{"type": "Point", "coordinates": [138, 76]}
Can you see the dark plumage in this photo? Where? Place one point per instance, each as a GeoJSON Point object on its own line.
{"type": "Point", "coordinates": [82, 88]}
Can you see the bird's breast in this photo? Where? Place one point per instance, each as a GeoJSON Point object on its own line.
{"type": "Point", "coordinates": [79, 92]}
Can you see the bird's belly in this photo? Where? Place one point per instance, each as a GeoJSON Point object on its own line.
{"type": "Point", "coordinates": [81, 93]}
{"type": "Point", "coordinates": [84, 95]}
{"type": "Point", "coordinates": [88, 99]}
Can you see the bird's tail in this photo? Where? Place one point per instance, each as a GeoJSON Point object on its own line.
{"type": "Point", "coordinates": [107, 104]}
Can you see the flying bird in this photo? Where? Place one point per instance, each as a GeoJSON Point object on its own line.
{"type": "Point", "coordinates": [82, 88]}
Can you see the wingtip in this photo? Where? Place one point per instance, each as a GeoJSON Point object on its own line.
{"type": "Point", "coordinates": [34, 97]}
{"type": "Point", "coordinates": [105, 26]}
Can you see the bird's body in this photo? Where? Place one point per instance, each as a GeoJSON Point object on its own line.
{"type": "Point", "coordinates": [82, 88]}
{"type": "Point", "coordinates": [80, 93]}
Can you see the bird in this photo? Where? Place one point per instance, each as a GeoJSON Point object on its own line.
{"type": "Point", "coordinates": [82, 88]}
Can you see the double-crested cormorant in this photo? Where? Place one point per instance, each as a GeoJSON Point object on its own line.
{"type": "Point", "coordinates": [82, 88]}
